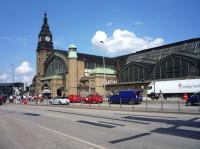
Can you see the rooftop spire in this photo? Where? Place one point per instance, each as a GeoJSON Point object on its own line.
{"type": "Point", "coordinates": [45, 18]}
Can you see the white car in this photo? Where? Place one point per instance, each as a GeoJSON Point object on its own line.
{"type": "Point", "coordinates": [59, 101]}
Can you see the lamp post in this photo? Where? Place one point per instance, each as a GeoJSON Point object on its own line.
{"type": "Point", "coordinates": [103, 70]}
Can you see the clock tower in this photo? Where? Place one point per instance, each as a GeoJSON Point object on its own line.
{"type": "Point", "coordinates": [44, 49]}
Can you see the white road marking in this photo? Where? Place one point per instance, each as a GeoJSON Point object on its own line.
{"type": "Point", "coordinates": [62, 134]}
{"type": "Point", "coordinates": [188, 128]}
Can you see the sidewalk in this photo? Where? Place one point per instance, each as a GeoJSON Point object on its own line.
{"type": "Point", "coordinates": [171, 106]}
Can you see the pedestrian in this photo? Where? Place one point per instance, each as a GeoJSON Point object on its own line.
{"type": "Point", "coordinates": [36, 99]}
{"type": "Point", "coordinates": [11, 99]}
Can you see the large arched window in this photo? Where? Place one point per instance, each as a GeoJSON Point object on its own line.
{"type": "Point", "coordinates": [175, 67]}
{"type": "Point", "coordinates": [134, 72]}
{"type": "Point", "coordinates": [56, 66]}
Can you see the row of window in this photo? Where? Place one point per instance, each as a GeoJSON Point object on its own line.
{"type": "Point", "coordinates": [174, 67]}
{"type": "Point", "coordinates": [193, 47]}
{"type": "Point", "coordinates": [93, 65]}
{"type": "Point", "coordinates": [133, 73]}
{"type": "Point", "coordinates": [56, 66]}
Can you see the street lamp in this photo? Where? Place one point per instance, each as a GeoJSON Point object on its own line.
{"type": "Point", "coordinates": [103, 70]}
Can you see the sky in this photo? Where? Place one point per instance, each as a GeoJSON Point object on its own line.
{"type": "Point", "coordinates": [124, 26]}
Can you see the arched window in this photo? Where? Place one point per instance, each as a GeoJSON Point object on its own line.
{"type": "Point", "coordinates": [175, 67]}
{"type": "Point", "coordinates": [133, 72]}
{"type": "Point", "coordinates": [56, 66]}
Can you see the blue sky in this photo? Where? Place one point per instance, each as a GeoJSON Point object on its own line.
{"type": "Point", "coordinates": [125, 26]}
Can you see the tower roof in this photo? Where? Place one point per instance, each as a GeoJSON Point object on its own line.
{"type": "Point", "coordinates": [72, 46]}
{"type": "Point", "coordinates": [45, 27]}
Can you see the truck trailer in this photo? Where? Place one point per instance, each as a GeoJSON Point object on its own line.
{"type": "Point", "coordinates": [173, 88]}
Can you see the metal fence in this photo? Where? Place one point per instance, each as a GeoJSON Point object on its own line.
{"type": "Point", "coordinates": [162, 105]}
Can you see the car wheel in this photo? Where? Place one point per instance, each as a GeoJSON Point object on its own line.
{"type": "Point", "coordinates": [50, 102]}
{"type": "Point", "coordinates": [152, 96]}
{"type": "Point", "coordinates": [60, 102]}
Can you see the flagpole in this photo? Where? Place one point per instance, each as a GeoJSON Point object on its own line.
{"type": "Point", "coordinates": [103, 71]}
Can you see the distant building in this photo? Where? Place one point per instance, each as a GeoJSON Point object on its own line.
{"type": "Point", "coordinates": [69, 72]}
{"type": "Point", "coordinates": [16, 88]}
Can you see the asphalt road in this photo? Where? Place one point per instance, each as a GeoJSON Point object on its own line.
{"type": "Point", "coordinates": [42, 127]}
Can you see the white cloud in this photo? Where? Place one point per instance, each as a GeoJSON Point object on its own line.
{"type": "Point", "coordinates": [123, 41]}
{"type": "Point", "coordinates": [3, 76]}
{"type": "Point", "coordinates": [24, 68]}
{"type": "Point", "coordinates": [109, 24]}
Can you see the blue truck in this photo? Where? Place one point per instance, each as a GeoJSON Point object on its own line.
{"type": "Point", "coordinates": [126, 97]}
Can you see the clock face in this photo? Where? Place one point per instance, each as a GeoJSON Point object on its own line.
{"type": "Point", "coordinates": [47, 38]}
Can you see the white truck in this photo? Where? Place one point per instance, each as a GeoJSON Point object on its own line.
{"type": "Point", "coordinates": [173, 88]}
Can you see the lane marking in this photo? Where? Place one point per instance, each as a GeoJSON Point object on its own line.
{"type": "Point", "coordinates": [96, 124]}
{"type": "Point", "coordinates": [62, 134]}
{"type": "Point", "coordinates": [189, 128]}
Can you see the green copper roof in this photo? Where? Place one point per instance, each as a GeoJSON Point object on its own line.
{"type": "Point", "coordinates": [72, 54]}
{"type": "Point", "coordinates": [52, 77]}
{"type": "Point", "coordinates": [101, 70]}
{"type": "Point", "coordinates": [72, 46]}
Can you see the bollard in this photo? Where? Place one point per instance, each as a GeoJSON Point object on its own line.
{"type": "Point", "coordinates": [132, 104]}
{"type": "Point", "coordinates": [161, 102]}
{"type": "Point", "coordinates": [179, 107]}
{"type": "Point", "coordinates": [99, 104]}
{"type": "Point", "coordinates": [146, 103]}
{"type": "Point", "coordinates": [120, 100]}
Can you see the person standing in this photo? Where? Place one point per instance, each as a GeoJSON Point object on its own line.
{"type": "Point", "coordinates": [11, 99]}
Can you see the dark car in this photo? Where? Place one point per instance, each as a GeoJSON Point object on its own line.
{"type": "Point", "coordinates": [193, 99]}
{"type": "Point", "coordinates": [126, 97]}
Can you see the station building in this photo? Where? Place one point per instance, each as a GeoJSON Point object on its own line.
{"type": "Point", "coordinates": [66, 72]}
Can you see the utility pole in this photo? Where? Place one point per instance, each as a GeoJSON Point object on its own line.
{"type": "Point", "coordinates": [103, 71]}
{"type": "Point", "coordinates": [13, 72]}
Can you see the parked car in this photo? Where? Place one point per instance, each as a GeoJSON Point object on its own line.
{"type": "Point", "coordinates": [193, 99]}
{"type": "Point", "coordinates": [94, 98]}
{"type": "Point", "coordinates": [74, 98]}
{"type": "Point", "coordinates": [59, 101]}
{"type": "Point", "coordinates": [126, 97]}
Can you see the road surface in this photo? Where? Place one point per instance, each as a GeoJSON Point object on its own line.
{"type": "Point", "coordinates": [43, 127]}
